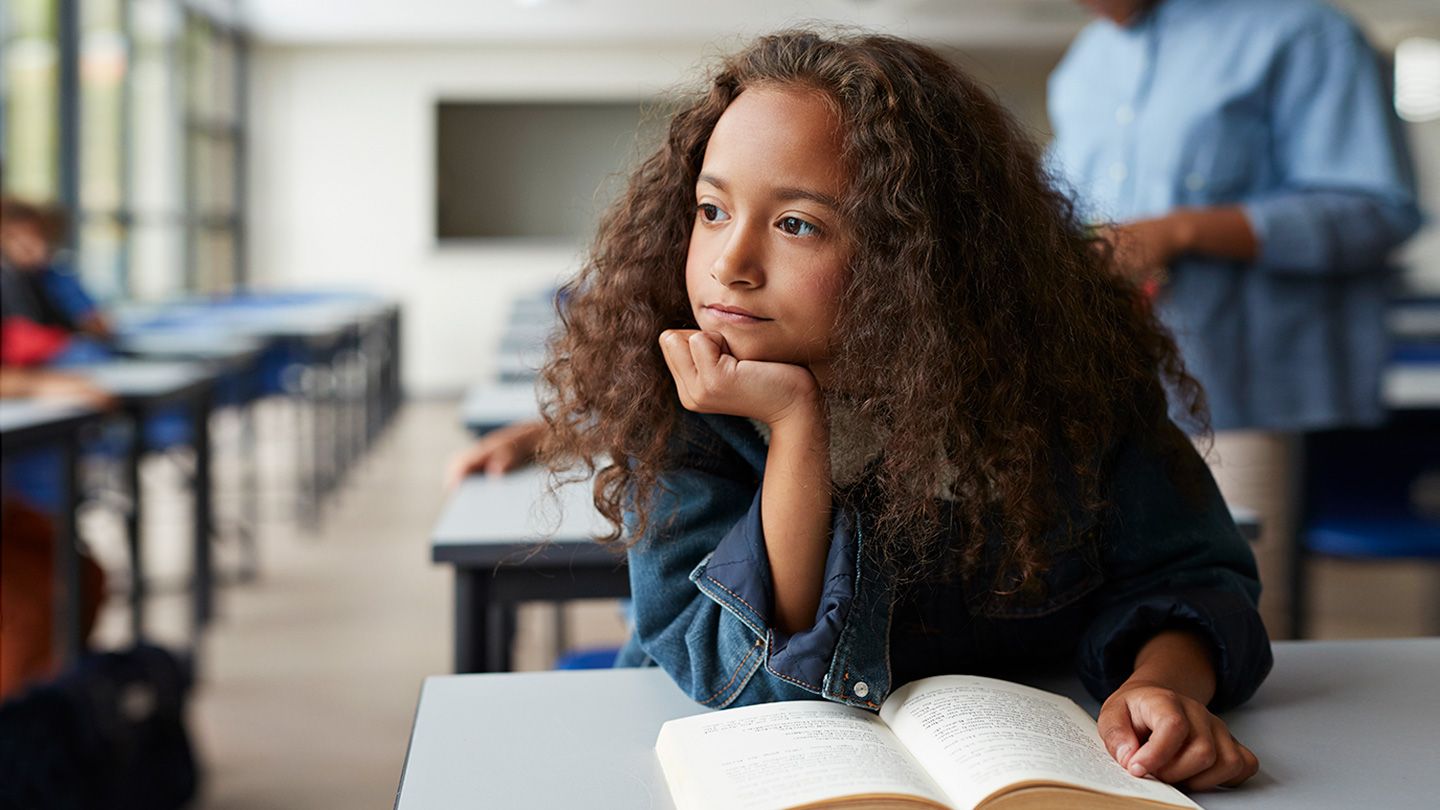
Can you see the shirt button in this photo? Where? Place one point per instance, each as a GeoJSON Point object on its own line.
{"type": "Point", "coordinates": [1117, 172]}
{"type": "Point", "coordinates": [861, 689]}
{"type": "Point", "coordinates": [1124, 114]}
{"type": "Point", "coordinates": [1195, 181]}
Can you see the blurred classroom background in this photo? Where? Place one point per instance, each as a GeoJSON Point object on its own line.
{"type": "Point", "coordinates": [323, 237]}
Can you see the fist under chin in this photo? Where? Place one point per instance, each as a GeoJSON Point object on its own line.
{"type": "Point", "coordinates": [749, 347]}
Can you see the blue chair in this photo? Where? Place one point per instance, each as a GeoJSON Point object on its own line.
{"type": "Point", "coordinates": [1369, 495]}
{"type": "Point", "coordinates": [594, 658]}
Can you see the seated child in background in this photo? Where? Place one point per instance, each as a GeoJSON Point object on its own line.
{"type": "Point", "coordinates": [870, 406]}
{"type": "Point", "coordinates": [27, 554]}
{"type": "Point", "coordinates": [46, 314]}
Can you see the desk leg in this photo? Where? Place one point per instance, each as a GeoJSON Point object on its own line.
{"type": "Point", "coordinates": [472, 618]}
{"type": "Point", "coordinates": [204, 576]}
{"type": "Point", "coordinates": [320, 429]}
{"type": "Point", "coordinates": [561, 629]}
{"type": "Point", "coordinates": [134, 519]}
{"type": "Point", "coordinates": [501, 637]}
{"type": "Point", "coordinates": [1298, 558]}
{"type": "Point", "coordinates": [304, 401]}
{"type": "Point", "coordinates": [250, 484]}
{"type": "Point", "coordinates": [71, 641]}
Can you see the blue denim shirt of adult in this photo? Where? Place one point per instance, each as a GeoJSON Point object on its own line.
{"type": "Point", "coordinates": [703, 611]}
{"type": "Point", "coordinates": [1279, 107]}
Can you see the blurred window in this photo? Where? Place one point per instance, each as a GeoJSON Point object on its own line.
{"type": "Point", "coordinates": [213, 138]}
{"type": "Point", "coordinates": [29, 99]}
{"type": "Point", "coordinates": [157, 146]}
{"type": "Point", "coordinates": [102, 222]}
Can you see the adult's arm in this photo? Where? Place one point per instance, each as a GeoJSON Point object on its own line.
{"type": "Point", "coordinates": [1346, 195]}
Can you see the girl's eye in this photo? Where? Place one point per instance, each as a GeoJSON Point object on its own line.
{"type": "Point", "coordinates": [711, 212]}
{"type": "Point", "coordinates": [796, 226]}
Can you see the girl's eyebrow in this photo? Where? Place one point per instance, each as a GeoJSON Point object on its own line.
{"type": "Point", "coordinates": [783, 193]}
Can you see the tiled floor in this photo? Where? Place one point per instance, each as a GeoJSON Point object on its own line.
{"type": "Point", "coordinates": [311, 672]}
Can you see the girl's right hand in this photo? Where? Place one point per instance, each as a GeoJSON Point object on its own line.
{"type": "Point", "coordinates": [711, 380]}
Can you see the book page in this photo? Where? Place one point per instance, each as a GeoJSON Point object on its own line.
{"type": "Point", "coordinates": [785, 754]}
{"type": "Point", "coordinates": [977, 735]}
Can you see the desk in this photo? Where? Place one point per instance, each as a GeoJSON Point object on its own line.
{"type": "Point", "coordinates": [494, 405]}
{"type": "Point", "coordinates": [144, 387]}
{"type": "Point", "coordinates": [1412, 386]}
{"type": "Point", "coordinates": [311, 338]}
{"type": "Point", "coordinates": [28, 424]}
{"type": "Point", "coordinates": [1339, 724]}
{"type": "Point", "coordinates": [236, 361]}
{"type": "Point", "coordinates": [519, 367]}
{"type": "Point", "coordinates": [231, 352]}
{"type": "Point", "coordinates": [488, 531]}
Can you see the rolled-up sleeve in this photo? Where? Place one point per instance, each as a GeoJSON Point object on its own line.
{"type": "Point", "coordinates": [702, 595]}
{"type": "Point", "coordinates": [1346, 196]}
{"type": "Point", "coordinates": [1173, 559]}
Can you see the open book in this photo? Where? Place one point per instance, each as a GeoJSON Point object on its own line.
{"type": "Point", "coordinates": [952, 741]}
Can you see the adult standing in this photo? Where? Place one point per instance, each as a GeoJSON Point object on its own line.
{"type": "Point", "coordinates": [1250, 157]}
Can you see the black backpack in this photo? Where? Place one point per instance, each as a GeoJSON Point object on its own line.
{"type": "Point", "coordinates": [108, 733]}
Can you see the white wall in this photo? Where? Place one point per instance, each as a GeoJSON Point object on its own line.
{"type": "Point", "coordinates": [342, 172]}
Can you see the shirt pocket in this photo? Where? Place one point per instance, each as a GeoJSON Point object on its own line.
{"type": "Point", "coordinates": [1224, 155]}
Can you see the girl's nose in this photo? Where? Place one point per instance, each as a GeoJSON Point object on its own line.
{"type": "Point", "coordinates": [739, 263]}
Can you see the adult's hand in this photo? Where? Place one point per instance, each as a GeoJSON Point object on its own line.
{"type": "Point", "coordinates": [1143, 249]}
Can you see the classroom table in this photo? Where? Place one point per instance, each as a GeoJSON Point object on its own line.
{"type": "Point", "coordinates": [488, 531]}
{"type": "Point", "coordinates": [339, 405]}
{"type": "Point", "coordinates": [519, 367]}
{"type": "Point", "coordinates": [528, 338]}
{"type": "Point", "coordinates": [489, 406]}
{"type": "Point", "coordinates": [1412, 386]}
{"type": "Point", "coordinates": [1415, 317]}
{"type": "Point", "coordinates": [33, 424]}
{"type": "Point", "coordinates": [1338, 724]}
{"type": "Point", "coordinates": [236, 362]}
{"type": "Point", "coordinates": [230, 352]}
{"type": "Point", "coordinates": [145, 388]}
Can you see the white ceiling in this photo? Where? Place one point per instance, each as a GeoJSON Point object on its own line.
{"type": "Point", "coordinates": [1038, 23]}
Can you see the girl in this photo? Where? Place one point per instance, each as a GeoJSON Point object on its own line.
{"type": "Point", "coordinates": [895, 418]}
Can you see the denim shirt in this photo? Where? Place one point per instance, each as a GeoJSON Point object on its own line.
{"type": "Point", "coordinates": [701, 584]}
{"type": "Point", "coordinates": [1278, 107]}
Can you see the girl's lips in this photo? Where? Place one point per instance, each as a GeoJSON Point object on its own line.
{"type": "Point", "coordinates": [733, 315]}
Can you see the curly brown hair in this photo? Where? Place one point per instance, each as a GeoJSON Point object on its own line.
{"type": "Point", "coordinates": [980, 323]}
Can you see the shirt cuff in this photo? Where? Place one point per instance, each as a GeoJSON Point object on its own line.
{"type": "Point", "coordinates": [1328, 231]}
{"type": "Point", "coordinates": [737, 576]}
{"type": "Point", "coordinates": [1225, 619]}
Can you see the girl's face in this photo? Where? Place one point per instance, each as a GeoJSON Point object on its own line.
{"type": "Point", "coordinates": [769, 253]}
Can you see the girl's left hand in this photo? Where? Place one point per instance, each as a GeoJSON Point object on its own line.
{"type": "Point", "coordinates": [1183, 741]}
{"type": "Point", "coordinates": [711, 380]}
